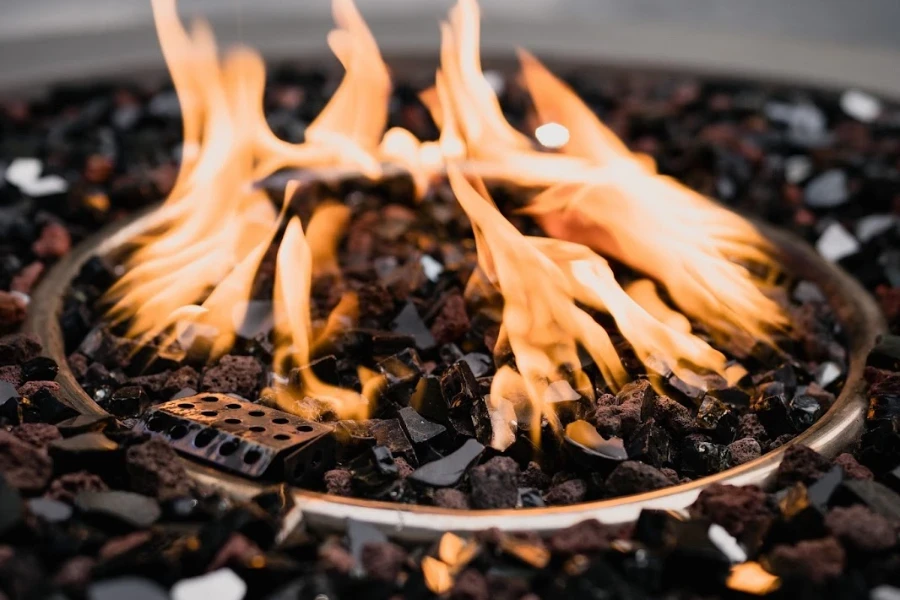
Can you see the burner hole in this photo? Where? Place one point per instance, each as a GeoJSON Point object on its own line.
{"type": "Point", "coordinates": [203, 438]}
{"type": "Point", "coordinates": [252, 456]}
{"type": "Point", "coordinates": [256, 413]}
{"type": "Point", "coordinates": [209, 413]}
{"type": "Point", "coordinates": [185, 405]}
{"type": "Point", "coordinates": [282, 436]}
{"type": "Point", "coordinates": [233, 406]}
{"type": "Point", "coordinates": [178, 432]}
{"type": "Point", "coordinates": [304, 428]}
{"type": "Point", "coordinates": [228, 448]}
{"type": "Point", "coordinates": [280, 420]}
{"type": "Point", "coordinates": [210, 399]}
{"type": "Point", "coordinates": [156, 424]}
{"type": "Point", "coordinates": [232, 421]}
{"type": "Point", "coordinates": [258, 429]}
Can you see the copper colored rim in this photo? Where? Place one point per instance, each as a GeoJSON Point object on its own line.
{"type": "Point", "coordinates": [835, 431]}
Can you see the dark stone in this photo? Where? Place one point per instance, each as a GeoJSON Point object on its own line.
{"type": "Point", "coordinates": [155, 470]}
{"type": "Point", "coordinates": [885, 354]}
{"type": "Point", "coordinates": [276, 500]}
{"type": "Point", "coordinates": [11, 507]}
{"type": "Point", "coordinates": [651, 444]}
{"type": "Point", "coordinates": [52, 511]}
{"type": "Point", "coordinates": [417, 428]}
{"type": "Point", "coordinates": [389, 433]}
{"type": "Point", "coordinates": [23, 466]}
{"type": "Point", "coordinates": [10, 408]}
{"type": "Point", "coordinates": [92, 451]}
{"type": "Point", "coordinates": [40, 368]}
{"type": "Point", "coordinates": [800, 464]}
{"type": "Point", "coordinates": [530, 498]}
{"type": "Point", "coordinates": [480, 364]}
{"type": "Point", "coordinates": [700, 457]}
{"type": "Point", "coordinates": [876, 496]}
{"type": "Point", "coordinates": [450, 469]}
{"type": "Point", "coordinates": [632, 477]}
{"type": "Point", "coordinates": [716, 419]}
{"type": "Point", "coordinates": [45, 405]}
{"type": "Point", "coordinates": [118, 509]}
{"type": "Point", "coordinates": [770, 406]}
{"type": "Point", "coordinates": [428, 400]}
{"type": "Point", "coordinates": [408, 322]}
{"type": "Point", "coordinates": [803, 411]}
{"type": "Point", "coordinates": [495, 484]}
{"type": "Point", "coordinates": [373, 470]}
{"type": "Point", "coordinates": [129, 401]}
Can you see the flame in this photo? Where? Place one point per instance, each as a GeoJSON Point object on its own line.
{"type": "Point", "coordinates": [201, 256]}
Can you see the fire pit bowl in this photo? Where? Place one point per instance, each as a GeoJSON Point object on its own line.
{"type": "Point", "coordinates": [835, 431]}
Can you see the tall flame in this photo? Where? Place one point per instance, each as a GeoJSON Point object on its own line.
{"type": "Point", "coordinates": [201, 256]}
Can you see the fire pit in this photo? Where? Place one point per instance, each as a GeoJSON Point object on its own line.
{"type": "Point", "coordinates": [541, 324]}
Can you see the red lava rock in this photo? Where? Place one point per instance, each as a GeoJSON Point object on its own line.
{"type": "Point", "coordinates": [852, 468]}
{"type": "Point", "coordinates": [18, 348]}
{"type": "Point", "coordinates": [495, 484]}
{"type": "Point", "coordinates": [470, 585]}
{"type": "Point", "coordinates": [78, 364]}
{"type": "Point", "coordinates": [26, 279]}
{"type": "Point", "coordinates": [11, 374]}
{"type": "Point", "coordinates": [36, 434]}
{"type": "Point", "coordinates": [607, 420]}
{"type": "Point", "coordinates": [743, 450]}
{"type": "Point", "coordinates": [452, 322]}
{"type": "Point", "coordinates": [375, 302]}
{"type": "Point", "coordinates": [403, 467]}
{"type": "Point", "coordinates": [238, 550]}
{"type": "Point", "coordinates": [632, 398]}
{"type": "Point", "coordinates": [234, 374]}
{"type": "Point", "coordinates": [780, 441]}
{"type": "Point", "coordinates": [882, 382]}
{"type": "Point", "coordinates": [122, 544]}
{"type": "Point", "coordinates": [584, 537]}
{"type": "Point", "coordinates": [54, 241]}
{"type": "Point", "coordinates": [335, 558]}
{"type": "Point", "coordinates": [22, 465]}
{"type": "Point", "coordinates": [861, 529]}
{"type": "Point", "coordinates": [672, 414]}
{"type": "Point", "coordinates": [383, 561]}
{"type": "Point", "coordinates": [75, 573]}
{"type": "Point", "coordinates": [800, 464]}
{"type": "Point", "coordinates": [814, 560]}
{"type": "Point", "coordinates": [568, 492]}
{"type": "Point", "coordinates": [185, 377]}
{"type": "Point", "coordinates": [450, 498]}
{"type": "Point", "coordinates": [889, 298]}
{"type": "Point", "coordinates": [153, 385]}
{"type": "Point", "coordinates": [12, 311]}
{"type": "Point", "coordinates": [154, 470]}
{"type": "Point", "coordinates": [30, 388]}
{"type": "Point", "coordinates": [339, 482]}
{"type": "Point", "coordinates": [736, 508]}
{"type": "Point", "coordinates": [632, 477]}
{"type": "Point", "coordinates": [66, 487]}
{"type": "Point", "coordinates": [491, 335]}
{"type": "Point", "coordinates": [750, 427]}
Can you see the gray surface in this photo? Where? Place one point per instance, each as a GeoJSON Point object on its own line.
{"type": "Point", "coordinates": [827, 41]}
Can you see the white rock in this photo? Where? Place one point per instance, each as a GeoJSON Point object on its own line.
{"type": "Point", "coordinates": [872, 225]}
{"type": "Point", "coordinates": [431, 267]}
{"type": "Point", "coordinates": [725, 542]}
{"type": "Point", "coordinates": [884, 592]}
{"type": "Point", "coordinates": [797, 168]}
{"type": "Point", "coordinates": [827, 190]}
{"type": "Point", "coordinates": [860, 105]}
{"type": "Point", "coordinates": [807, 291]}
{"type": "Point", "coordinates": [827, 373]}
{"type": "Point", "coordinates": [25, 174]}
{"type": "Point", "coordinates": [836, 242]}
{"type": "Point", "coordinates": [223, 584]}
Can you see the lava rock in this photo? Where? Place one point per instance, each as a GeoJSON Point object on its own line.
{"type": "Point", "coordinates": [852, 468]}
{"type": "Point", "coordinates": [240, 375]}
{"type": "Point", "coordinates": [155, 470]}
{"type": "Point", "coordinates": [23, 466]}
{"type": "Point", "coordinates": [861, 530]}
{"type": "Point", "coordinates": [495, 484]}
{"type": "Point", "coordinates": [582, 538]}
{"type": "Point", "coordinates": [18, 348]}
{"type": "Point", "coordinates": [452, 322]}
{"type": "Point", "coordinates": [383, 561]}
{"type": "Point", "coordinates": [816, 561]}
{"type": "Point", "coordinates": [739, 509]}
{"type": "Point", "coordinates": [632, 477]}
{"type": "Point", "coordinates": [339, 482]}
{"type": "Point", "coordinates": [635, 400]}
{"type": "Point", "coordinates": [451, 498]}
{"type": "Point", "coordinates": [672, 415]}
{"type": "Point", "coordinates": [65, 487]}
{"type": "Point", "coordinates": [36, 434]}
{"type": "Point", "coordinates": [742, 450]}
{"type": "Point", "coordinates": [40, 368]}
{"type": "Point", "coordinates": [447, 471]}
{"type": "Point", "coordinates": [572, 491]}
{"type": "Point", "coordinates": [800, 464]}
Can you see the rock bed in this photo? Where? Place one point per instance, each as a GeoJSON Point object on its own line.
{"type": "Point", "coordinates": [91, 508]}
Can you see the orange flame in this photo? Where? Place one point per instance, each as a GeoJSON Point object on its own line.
{"type": "Point", "coordinates": [200, 258]}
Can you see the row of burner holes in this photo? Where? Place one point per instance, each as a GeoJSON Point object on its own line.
{"type": "Point", "coordinates": [227, 448]}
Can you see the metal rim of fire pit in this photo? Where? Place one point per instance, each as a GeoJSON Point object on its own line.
{"type": "Point", "coordinates": [836, 430]}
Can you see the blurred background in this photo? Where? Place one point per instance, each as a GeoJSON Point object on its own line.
{"type": "Point", "coordinates": [834, 42]}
